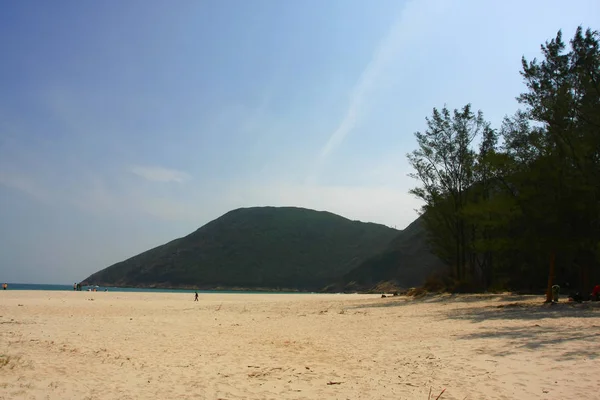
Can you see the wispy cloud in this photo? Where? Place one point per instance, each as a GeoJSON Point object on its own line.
{"type": "Point", "coordinates": [409, 23]}
{"type": "Point", "coordinates": [160, 174]}
{"type": "Point", "coordinates": [24, 184]}
{"type": "Point", "coordinates": [113, 197]}
{"type": "Point", "coordinates": [386, 49]}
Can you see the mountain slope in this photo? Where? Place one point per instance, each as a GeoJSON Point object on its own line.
{"type": "Point", "coordinates": [260, 247]}
{"type": "Point", "coordinates": [407, 261]}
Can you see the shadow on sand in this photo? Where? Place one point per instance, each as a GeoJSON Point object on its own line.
{"type": "Point", "coordinates": [443, 299]}
{"type": "Point", "coordinates": [532, 334]}
{"type": "Point", "coordinates": [508, 306]}
{"type": "Point", "coordinates": [515, 310]}
{"type": "Point", "coordinates": [582, 344]}
{"type": "Point", "coordinates": [536, 335]}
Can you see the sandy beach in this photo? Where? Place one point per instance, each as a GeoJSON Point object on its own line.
{"type": "Point", "coordinates": [82, 345]}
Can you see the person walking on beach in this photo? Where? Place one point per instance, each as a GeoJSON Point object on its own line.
{"type": "Point", "coordinates": [196, 297]}
{"type": "Point", "coordinates": [5, 286]}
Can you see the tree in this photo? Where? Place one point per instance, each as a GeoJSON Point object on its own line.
{"type": "Point", "coordinates": [563, 100]}
{"type": "Point", "coordinates": [444, 164]}
{"type": "Point", "coordinates": [534, 200]}
{"type": "Point", "coordinates": [477, 212]}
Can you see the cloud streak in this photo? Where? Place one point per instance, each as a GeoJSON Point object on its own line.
{"type": "Point", "coordinates": [24, 184]}
{"type": "Point", "coordinates": [411, 21]}
{"type": "Point", "coordinates": [385, 51]}
{"type": "Point", "coordinates": [160, 174]}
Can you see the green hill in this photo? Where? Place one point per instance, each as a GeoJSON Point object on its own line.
{"type": "Point", "coordinates": [260, 247]}
{"type": "Point", "coordinates": [406, 262]}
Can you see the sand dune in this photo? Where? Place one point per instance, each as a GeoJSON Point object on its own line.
{"type": "Point", "coordinates": [81, 345]}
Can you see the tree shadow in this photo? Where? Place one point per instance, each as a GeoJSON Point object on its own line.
{"type": "Point", "coordinates": [582, 344]}
{"type": "Point", "coordinates": [525, 311]}
{"type": "Point", "coordinates": [400, 301]}
{"type": "Point", "coordinates": [532, 333]}
{"type": "Point", "coordinates": [510, 303]}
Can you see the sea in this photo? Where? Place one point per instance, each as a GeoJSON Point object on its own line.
{"type": "Point", "coordinates": [35, 286]}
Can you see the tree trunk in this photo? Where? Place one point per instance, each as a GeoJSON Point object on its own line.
{"type": "Point", "coordinates": [463, 251]}
{"type": "Point", "coordinates": [550, 277]}
{"type": "Point", "coordinates": [584, 284]}
{"type": "Point", "coordinates": [458, 260]}
{"type": "Point", "coordinates": [487, 270]}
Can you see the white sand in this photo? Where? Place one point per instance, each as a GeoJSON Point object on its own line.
{"type": "Point", "coordinates": [81, 345]}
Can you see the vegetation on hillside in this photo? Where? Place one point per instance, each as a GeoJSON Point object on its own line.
{"type": "Point", "coordinates": [262, 247]}
{"type": "Point", "coordinates": [514, 206]}
{"type": "Point", "coordinates": [406, 262]}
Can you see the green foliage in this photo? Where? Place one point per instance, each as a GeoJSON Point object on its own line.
{"type": "Point", "coordinates": [406, 262]}
{"type": "Point", "coordinates": [534, 197]}
{"type": "Point", "coordinates": [447, 167]}
{"type": "Point", "coordinates": [266, 247]}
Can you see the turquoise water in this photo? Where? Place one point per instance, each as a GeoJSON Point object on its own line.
{"type": "Point", "coordinates": [34, 286]}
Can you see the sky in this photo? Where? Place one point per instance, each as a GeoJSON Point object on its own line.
{"type": "Point", "coordinates": [126, 124]}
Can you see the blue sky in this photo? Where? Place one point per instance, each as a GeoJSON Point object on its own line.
{"type": "Point", "coordinates": [125, 124]}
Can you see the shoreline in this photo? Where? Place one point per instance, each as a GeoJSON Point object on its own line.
{"type": "Point", "coordinates": [413, 293]}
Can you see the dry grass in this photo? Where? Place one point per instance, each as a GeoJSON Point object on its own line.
{"type": "Point", "coordinates": [438, 397]}
{"type": "Point", "coordinates": [8, 361]}
{"type": "Point", "coordinates": [417, 292]}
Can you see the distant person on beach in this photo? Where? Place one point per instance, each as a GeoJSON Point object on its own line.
{"type": "Point", "coordinates": [4, 286]}
{"type": "Point", "coordinates": [596, 293]}
{"type": "Point", "coordinates": [196, 297]}
{"type": "Point", "coordinates": [555, 292]}
{"type": "Point", "coordinates": [576, 297]}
